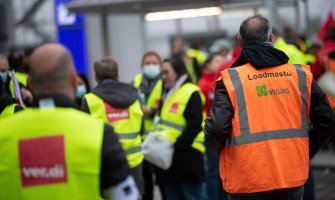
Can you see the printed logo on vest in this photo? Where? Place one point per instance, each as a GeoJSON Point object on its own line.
{"type": "Point", "coordinates": [42, 161]}
{"type": "Point", "coordinates": [174, 108]}
{"type": "Point", "coordinates": [116, 114]}
{"type": "Point", "coordinates": [262, 91]}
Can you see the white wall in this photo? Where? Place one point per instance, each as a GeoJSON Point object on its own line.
{"type": "Point", "coordinates": [126, 43]}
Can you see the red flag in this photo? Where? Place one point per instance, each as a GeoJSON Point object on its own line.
{"type": "Point", "coordinates": [329, 22]}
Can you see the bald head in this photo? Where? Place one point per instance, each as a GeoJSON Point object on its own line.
{"type": "Point", "coordinates": [106, 68]}
{"type": "Point", "coordinates": [52, 71]}
{"type": "Point", "coordinates": [254, 30]}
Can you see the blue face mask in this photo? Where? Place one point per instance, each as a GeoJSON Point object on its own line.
{"type": "Point", "coordinates": [151, 71]}
{"type": "Point", "coordinates": [81, 90]}
{"type": "Point", "coordinates": [4, 76]}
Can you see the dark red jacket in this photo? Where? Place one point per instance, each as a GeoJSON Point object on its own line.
{"type": "Point", "coordinates": [206, 84]}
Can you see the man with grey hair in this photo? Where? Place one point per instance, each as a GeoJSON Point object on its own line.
{"type": "Point", "coordinates": [259, 119]}
{"type": "Point", "coordinates": [53, 151]}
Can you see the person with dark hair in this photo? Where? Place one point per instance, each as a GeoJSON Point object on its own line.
{"type": "Point", "coordinates": [6, 82]}
{"type": "Point", "coordinates": [117, 103]}
{"type": "Point", "coordinates": [259, 120]}
{"type": "Point", "coordinates": [83, 87]}
{"type": "Point", "coordinates": [180, 117]}
{"type": "Point", "coordinates": [80, 156]}
{"type": "Point", "coordinates": [8, 104]}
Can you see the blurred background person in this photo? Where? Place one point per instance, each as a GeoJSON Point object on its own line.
{"type": "Point", "coordinates": [150, 86]}
{"type": "Point", "coordinates": [83, 87]}
{"type": "Point", "coordinates": [206, 84]}
{"type": "Point", "coordinates": [223, 47]}
{"type": "Point", "coordinates": [318, 68]}
{"type": "Point", "coordinates": [181, 118]}
{"type": "Point", "coordinates": [117, 103]}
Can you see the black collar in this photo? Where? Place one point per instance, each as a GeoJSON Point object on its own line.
{"type": "Point", "coordinates": [59, 100]}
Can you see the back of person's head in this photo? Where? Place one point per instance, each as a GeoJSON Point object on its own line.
{"type": "Point", "coordinates": [106, 68]}
{"type": "Point", "coordinates": [178, 66]}
{"type": "Point", "coordinates": [255, 30]}
{"type": "Point", "coordinates": [52, 71]}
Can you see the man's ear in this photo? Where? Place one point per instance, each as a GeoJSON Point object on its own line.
{"type": "Point", "coordinates": [272, 38]}
{"type": "Point", "coordinates": [239, 40]}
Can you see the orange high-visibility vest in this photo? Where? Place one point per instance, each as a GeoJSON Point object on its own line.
{"type": "Point", "coordinates": [331, 101]}
{"type": "Point", "coordinates": [268, 146]}
{"type": "Point", "coordinates": [329, 64]}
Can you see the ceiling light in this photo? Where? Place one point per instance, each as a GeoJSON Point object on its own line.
{"type": "Point", "coordinates": [180, 14]}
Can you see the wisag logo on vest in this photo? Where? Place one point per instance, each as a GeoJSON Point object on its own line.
{"type": "Point", "coordinates": [263, 91]}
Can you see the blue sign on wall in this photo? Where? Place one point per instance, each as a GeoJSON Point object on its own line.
{"type": "Point", "coordinates": [71, 33]}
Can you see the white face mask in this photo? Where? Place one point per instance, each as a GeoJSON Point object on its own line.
{"type": "Point", "coordinates": [151, 71]}
{"type": "Point", "coordinates": [81, 90]}
{"type": "Point", "coordinates": [4, 76]}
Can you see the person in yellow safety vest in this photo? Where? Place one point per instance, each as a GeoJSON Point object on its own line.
{"type": "Point", "coordinates": [259, 120]}
{"type": "Point", "coordinates": [149, 86]}
{"type": "Point", "coordinates": [195, 61]}
{"type": "Point", "coordinates": [6, 80]}
{"type": "Point", "coordinates": [117, 103]}
{"type": "Point", "coordinates": [181, 118]}
{"type": "Point", "coordinates": [53, 151]}
{"type": "Point", "coordinates": [294, 54]}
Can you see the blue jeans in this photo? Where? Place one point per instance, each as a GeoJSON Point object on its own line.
{"type": "Point", "coordinates": [185, 191]}
{"type": "Point", "coordinates": [214, 187]}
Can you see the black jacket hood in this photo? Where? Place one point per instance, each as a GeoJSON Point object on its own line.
{"type": "Point", "coordinates": [117, 94]}
{"type": "Point", "coordinates": [261, 56]}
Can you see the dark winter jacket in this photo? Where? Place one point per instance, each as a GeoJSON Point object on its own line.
{"type": "Point", "coordinates": [118, 95]}
{"type": "Point", "coordinates": [188, 163]}
{"type": "Point", "coordinates": [218, 127]}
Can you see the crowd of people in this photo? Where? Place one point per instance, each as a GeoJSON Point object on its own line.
{"type": "Point", "coordinates": [233, 136]}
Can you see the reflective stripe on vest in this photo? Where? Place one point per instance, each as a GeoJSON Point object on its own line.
{"type": "Point", "coordinates": [8, 111]}
{"type": "Point", "coordinates": [152, 102]}
{"type": "Point", "coordinates": [246, 137]}
{"type": "Point", "coordinates": [268, 145]}
{"type": "Point", "coordinates": [127, 127]}
{"type": "Point", "coordinates": [172, 122]}
{"type": "Point", "coordinates": [21, 79]}
{"type": "Point", "coordinates": [50, 154]}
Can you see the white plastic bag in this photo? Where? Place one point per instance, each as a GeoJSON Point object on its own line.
{"type": "Point", "coordinates": [158, 149]}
